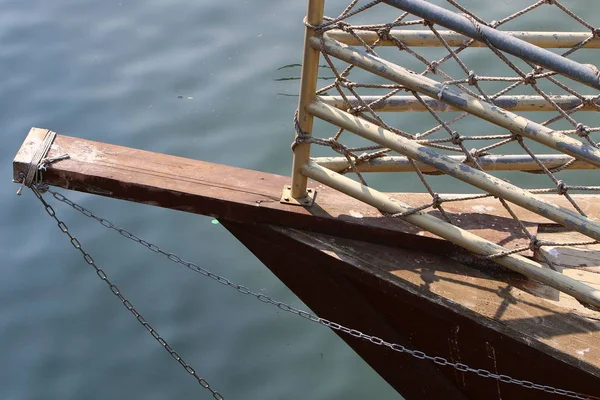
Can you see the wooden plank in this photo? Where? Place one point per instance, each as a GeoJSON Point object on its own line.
{"type": "Point", "coordinates": [439, 306]}
{"type": "Point", "coordinates": [581, 258]}
{"type": "Point", "coordinates": [484, 295]}
{"type": "Point", "coordinates": [250, 196]}
{"type": "Point", "coordinates": [578, 262]}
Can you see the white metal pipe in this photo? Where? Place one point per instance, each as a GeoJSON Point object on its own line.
{"type": "Point", "coordinates": [461, 100]}
{"type": "Point", "coordinates": [513, 103]}
{"type": "Point", "coordinates": [458, 170]}
{"type": "Point", "coordinates": [426, 38]}
{"type": "Point", "coordinates": [488, 163]}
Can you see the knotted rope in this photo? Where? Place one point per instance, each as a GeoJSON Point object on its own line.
{"type": "Point", "coordinates": [39, 162]}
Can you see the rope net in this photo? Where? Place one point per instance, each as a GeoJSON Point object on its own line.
{"type": "Point", "coordinates": [478, 70]}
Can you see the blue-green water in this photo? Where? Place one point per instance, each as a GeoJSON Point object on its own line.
{"type": "Point", "coordinates": [192, 78]}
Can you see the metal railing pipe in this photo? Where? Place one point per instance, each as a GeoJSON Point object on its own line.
{"type": "Point", "coordinates": [426, 38]}
{"type": "Point", "coordinates": [461, 100]}
{"type": "Point", "coordinates": [521, 103]}
{"type": "Point", "coordinates": [488, 163]}
{"type": "Point", "coordinates": [500, 40]}
{"type": "Point", "coordinates": [454, 234]}
{"type": "Point", "coordinates": [308, 88]}
{"type": "Point", "coordinates": [458, 170]}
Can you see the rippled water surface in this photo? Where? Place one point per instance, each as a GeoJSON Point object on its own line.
{"type": "Point", "coordinates": [192, 78]}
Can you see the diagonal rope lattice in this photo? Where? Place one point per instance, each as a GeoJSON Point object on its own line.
{"type": "Point", "coordinates": [508, 82]}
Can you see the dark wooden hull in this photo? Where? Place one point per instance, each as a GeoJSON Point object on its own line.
{"type": "Point", "coordinates": [346, 281]}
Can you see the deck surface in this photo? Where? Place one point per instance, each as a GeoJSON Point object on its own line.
{"type": "Point", "coordinates": [507, 302]}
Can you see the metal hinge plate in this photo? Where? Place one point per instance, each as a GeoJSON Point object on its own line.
{"type": "Point", "coordinates": [306, 201]}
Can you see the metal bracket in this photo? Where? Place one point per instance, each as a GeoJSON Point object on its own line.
{"type": "Point", "coordinates": [306, 201]}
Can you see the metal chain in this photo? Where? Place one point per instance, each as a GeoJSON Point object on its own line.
{"type": "Point", "coordinates": [266, 299]}
{"type": "Point", "coordinates": [113, 288]}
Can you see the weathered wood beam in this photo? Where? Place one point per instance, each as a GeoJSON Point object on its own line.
{"type": "Point", "coordinates": [253, 197]}
{"type": "Point", "coordinates": [209, 189]}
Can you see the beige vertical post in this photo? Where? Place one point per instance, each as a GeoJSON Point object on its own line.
{"type": "Point", "coordinates": [308, 87]}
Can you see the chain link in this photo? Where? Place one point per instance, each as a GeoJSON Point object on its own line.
{"type": "Point", "coordinates": [266, 299]}
{"type": "Point", "coordinates": [115, 290]}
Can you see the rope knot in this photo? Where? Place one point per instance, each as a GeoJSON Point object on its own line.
{"type": "Point", "coordinates": [441, 93]}
{"type": "Point", "coordinates": [355, 110]}
{"type": "Point", "coordinates": [595, 32]}
{"type": "Point", "coordinates": [346, 27]}
{"type": "Point", "coordinates": [591, 102]}
{"type": "Point", "coordinates": [472, 78]}
{"type": "Point", "coordinates": [39, 162]}
{"type": "Point", "coordinates": [344, 82]}
{"type": "Point", "coordinates": [581, 130]}
{"type": "Point", "coordinates": [309, 25]}
{"type": "Point", "coordinates": [384, 33]}
{"type": "Point", "coordinates": [337, 146]}
{"type": "Point", "coordinates": [433, 67]}
{"type": "Point", "coordinates": [529, 79]}
{"type": "Point", "coordinates": [300, 138]}
{"type": "Point", "coordinates": [534, 243]}
{"type": "Point", "coordinates": [561, 188]}
{"type": "Point", "coordinates": [516, 137]}
{"type": "Point", "coordinates": [474, 152]}
{"type": "Point", "coordinates": [456, 138]}
{"type": "Point", "coordinates": [436, 202]}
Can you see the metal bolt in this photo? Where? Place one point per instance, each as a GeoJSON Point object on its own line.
{"type": "Point", "coordinates": [286, 198]}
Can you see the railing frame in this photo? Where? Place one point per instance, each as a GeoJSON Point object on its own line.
{"type": "Point", "coordinates": [311, 106]}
